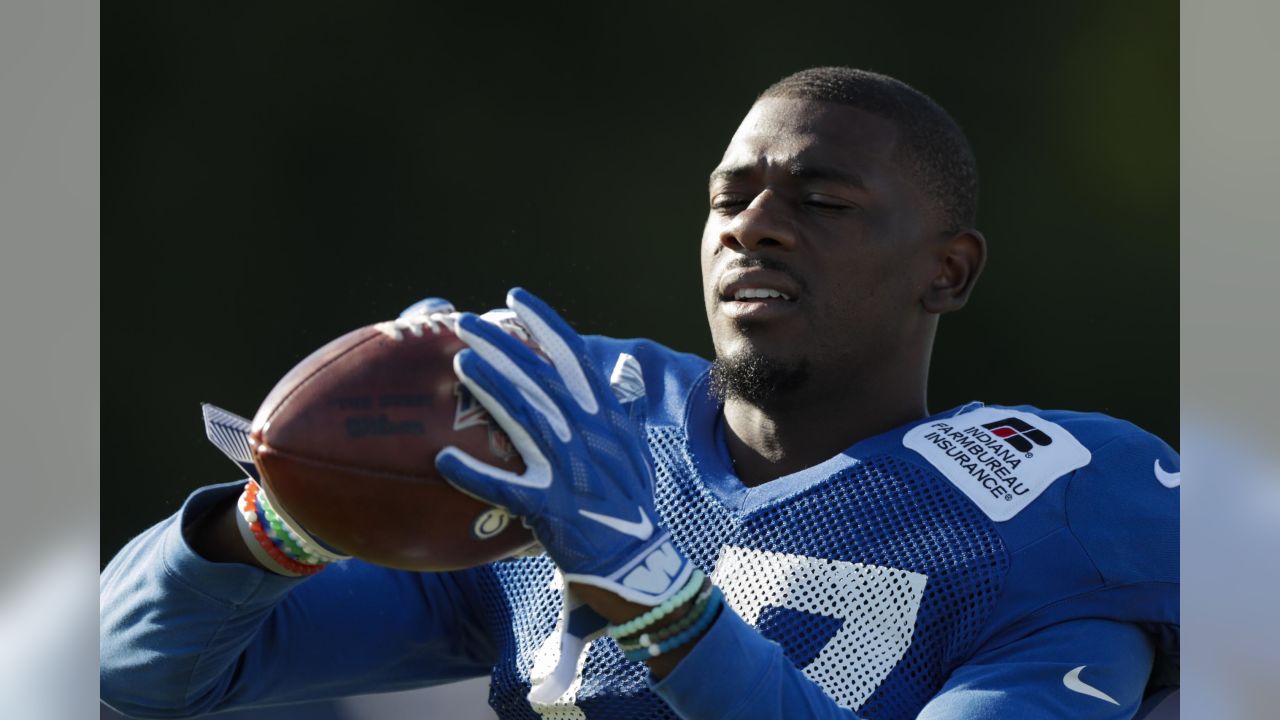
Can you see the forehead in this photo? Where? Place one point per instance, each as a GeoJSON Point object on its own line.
{"type": "Point", "coordinates": [783, 131]}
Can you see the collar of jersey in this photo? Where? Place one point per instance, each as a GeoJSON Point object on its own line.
{"type": "Point", "coordinates": [704, 420]}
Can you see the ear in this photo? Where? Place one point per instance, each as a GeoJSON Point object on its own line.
{"type": "Point", "coordinates": [961, 259]}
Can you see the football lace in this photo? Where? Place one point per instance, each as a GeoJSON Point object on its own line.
{"type": "Point", "coordinates": [414, 324]}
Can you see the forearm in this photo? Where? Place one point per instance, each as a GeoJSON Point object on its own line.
{"type": "Point", "coordinates": [173, 623]}
{"type": "Point", "coordinates": [617, 611]}
{"type": "Point", "coordinates": [216, 538]}
{"type": "Point", "coordinates": [183, 635]}
{"type": "Point", "coordinates": [729, 671]}
{"type": "Point", "coordinates": [733, 673]}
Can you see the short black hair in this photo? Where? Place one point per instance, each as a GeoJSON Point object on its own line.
{"type": "Point", "coordinates": [933, 145]}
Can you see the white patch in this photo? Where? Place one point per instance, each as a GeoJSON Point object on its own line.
{"type": "Point", "coordinates": [556, 675]}
{"type": "Point", "coordinates": [655, 575]}
{"type": "Point", "coordinates": [1170, 480]}
{"type": "Point", "coordinates": [1075, 684]}
{"type": "Point", "coordinates": [1001, 459]}
{"type": "Point", "coordinates": [877, 604]}
{"type": "Point", "coordinates": [627, 379]}
{"type": "Point", "coordinates": [490, 523]}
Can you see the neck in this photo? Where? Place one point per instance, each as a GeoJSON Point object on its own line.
{"type": "Point", "coordinates": [784, 435]}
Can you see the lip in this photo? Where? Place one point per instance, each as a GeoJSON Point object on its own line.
{"type": "Point", "coordinates": [736, 280]}
{"type": "Point", "coordinates": [757, 308]}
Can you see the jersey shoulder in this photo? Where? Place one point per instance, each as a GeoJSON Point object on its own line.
{"type": "Point", "coordinates": [649, 374]}
{"type": "Point", "coordinates": [1123, 506]}
{"type": "Point", "coordinates": [1033, 472]}
{"type": "Point", "coordinates": [1102, 539]}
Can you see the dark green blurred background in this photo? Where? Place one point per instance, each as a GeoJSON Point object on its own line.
{"type": "Point", "coordinates": [277, 174]}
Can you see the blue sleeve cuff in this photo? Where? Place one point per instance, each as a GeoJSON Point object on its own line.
{"type": "Point", "coordinates": [231, 583]}
{"type": "Point", "coordinates": [720, 674]}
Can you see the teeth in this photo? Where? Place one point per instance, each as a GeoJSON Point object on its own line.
{"type": "Point", "coordinates": [759, 293]}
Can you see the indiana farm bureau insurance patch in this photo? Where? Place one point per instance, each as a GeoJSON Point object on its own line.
{"type": "Point", "coordinates": [1002, 459]}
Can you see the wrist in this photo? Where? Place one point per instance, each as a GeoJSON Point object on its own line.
{"type": "Point", "coordinates": [660, 636]}
{"type": "Point", "coordinates": [275, 543]}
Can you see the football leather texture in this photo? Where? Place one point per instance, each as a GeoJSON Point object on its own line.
{"type": "Point", "coordinates": [346, 445]}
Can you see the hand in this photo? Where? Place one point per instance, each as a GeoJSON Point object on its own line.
{"type": "Point", "coordinates": [428, 306]}
{"type": "Point", "coordinates": [587, 490]}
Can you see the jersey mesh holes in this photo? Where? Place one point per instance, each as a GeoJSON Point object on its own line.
{"type": "Point", "coordinates": [893, 518]}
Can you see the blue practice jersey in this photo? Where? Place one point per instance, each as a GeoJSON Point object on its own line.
{"type": "Point", "coordinates": [983, 562]}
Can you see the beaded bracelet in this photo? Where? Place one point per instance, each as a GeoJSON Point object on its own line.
{"type": "Point", "coordinates": [636, 625]}
{"type": "Point", "coordinates": [307, 545]}
{"type": "Point", "coordinates": [636, 642]}
{"type": "Point", "coordinates": [250, 524]}
{"type": "Point", "coordinates": [704, 621]}
{"type": "Point", "coordinates": [284, 536]}
{"type": "Point", "coordinates": [244, 512]}
{"type": "Point", "coordinates": [274, 536]}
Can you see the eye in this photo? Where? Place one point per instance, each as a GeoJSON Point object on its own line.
{"type": "Point", "coordinates": [728, 203]}
{"type": "Point", "coordinates": [827, 202]}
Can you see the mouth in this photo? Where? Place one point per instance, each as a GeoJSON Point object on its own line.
{"type": "Point", "coordinates": [757, 294]}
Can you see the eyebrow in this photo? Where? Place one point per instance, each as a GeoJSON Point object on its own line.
{"type": "Point", "coordinates": [798, 170]}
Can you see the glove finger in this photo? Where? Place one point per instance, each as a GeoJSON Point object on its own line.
{"type": "Point", "coordinates": [497, 379]}
{"type": "Point", "coordinates": [560, 343]}
{"type": "Point", "coordinates": [471, 327]}
{"type": "Point", "coordinates": [428, 306]}
{"type": "Point", "coordinates": [479, 480]}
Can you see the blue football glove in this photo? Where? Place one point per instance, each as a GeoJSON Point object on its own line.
{"type": "Point", "coordinates": [428, 306]}
{"type": "Point", "coordinates": [587, 488]}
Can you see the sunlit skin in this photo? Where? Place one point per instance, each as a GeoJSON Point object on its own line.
{"type": "Point", "coordinates": [869, 264]}
{"type": "Point", "coordinates": [816, 188]}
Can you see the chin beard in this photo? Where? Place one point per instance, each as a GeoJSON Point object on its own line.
{"type": "Point", "coordinates": [755, 379]}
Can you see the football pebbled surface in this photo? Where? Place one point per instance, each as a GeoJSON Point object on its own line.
{"type": "Point", "coordinates": [346, 445]}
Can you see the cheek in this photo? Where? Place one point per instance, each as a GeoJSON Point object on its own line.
{"type": "Point", "coordinates": [707, 255]}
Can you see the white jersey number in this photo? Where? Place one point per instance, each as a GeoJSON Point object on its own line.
{"type": "Point", "coordinates": [877, 604]}
{"type": "Point", "coordinates": [878, 607]}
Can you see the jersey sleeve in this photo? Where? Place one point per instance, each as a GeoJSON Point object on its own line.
{"type": "Point", "coordinates": [183, 636]}
{"type": "Point", "coordinates": [1099, 592]}
{"type": "Point", "coordinates": [735, 673]}
{"type": "Point", "coordinates": [1082, 670]}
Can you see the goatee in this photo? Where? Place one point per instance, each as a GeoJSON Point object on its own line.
{"type": "Point", "coordinates": [754, 378]}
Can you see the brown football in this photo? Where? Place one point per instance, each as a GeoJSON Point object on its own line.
{"type": "Point", "coordinates": [346, 445]}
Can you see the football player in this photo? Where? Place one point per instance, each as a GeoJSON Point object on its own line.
{"type": "Point", "coordinates": [786, 531]}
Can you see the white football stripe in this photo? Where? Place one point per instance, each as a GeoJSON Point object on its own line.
{"type": "Point", "coordinates": [562, 357]}
{"type": "Point", "coordinates": [529, 390]}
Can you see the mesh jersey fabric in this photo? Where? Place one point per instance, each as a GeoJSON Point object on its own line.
{"type": "Point", "coordinates": [883, 514]}
{"type": "Point", "coordinates": [872, 572]}
{"type": "Point", "coordinates": [910, 570]}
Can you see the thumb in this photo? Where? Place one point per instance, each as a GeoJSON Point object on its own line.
{"type": "Point", "coordinates": [478, 479]}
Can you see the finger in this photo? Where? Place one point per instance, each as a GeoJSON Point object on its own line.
{"type": "Point", "coordinates": [470, 327]}
{"type": "Point", "coordinates": [515, 411]}
{"type": "Point", "coordinates": [499, 376]}
{"type": "Point", "coordinates": [479, 480]}
{"type": "Point", "coordinates": [559, 342]}
{"type": "Point", "coordinates": [428, 306]}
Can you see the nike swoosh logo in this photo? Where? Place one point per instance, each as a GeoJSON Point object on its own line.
{"type": "Point", "coordinates": [1074, 683]}
{"type": "Point", "coordinates": [1168, 479]}
{"type": "Point", "coordinates": [640, 529]}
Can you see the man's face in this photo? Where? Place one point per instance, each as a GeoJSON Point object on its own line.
{"type": "Point", "coordinates": [809, 209]}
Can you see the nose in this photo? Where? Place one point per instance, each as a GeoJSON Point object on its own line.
{"type": "Point", "coordinates": [763, 223]}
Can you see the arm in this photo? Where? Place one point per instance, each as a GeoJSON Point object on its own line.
{"type": "Point", "coordinates": [1084, 669]}
{"type": "Point", "coordinates": [733, 673]}
{"type": "Point", "coordinates": [182, 635]}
